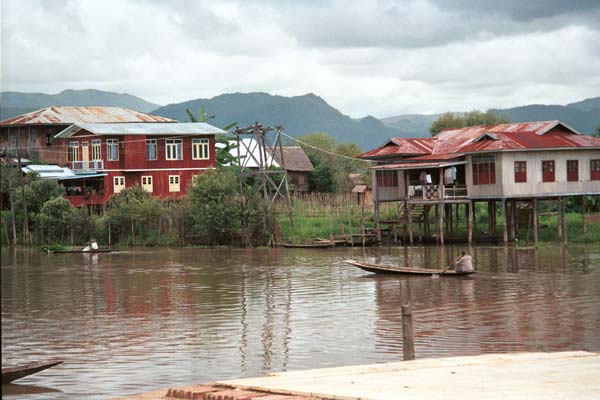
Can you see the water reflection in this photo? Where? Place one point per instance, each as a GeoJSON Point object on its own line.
{"type": "Point", "coordinates": [136, 320]}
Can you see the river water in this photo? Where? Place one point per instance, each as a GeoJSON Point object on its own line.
{"type": "Point", "coordinates": [132, 321]}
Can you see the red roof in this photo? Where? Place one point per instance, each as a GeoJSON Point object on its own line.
{"type": "Point", "coordinates": [70, 115]}
{"type": "Point", "coordinates": [452, 143]}
{"type": "Point", "coordinates": [402, 146]}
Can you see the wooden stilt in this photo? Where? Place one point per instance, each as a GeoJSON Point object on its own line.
{"type": "Point", "coordinates": [426, 221]}
{"type": "Point", "coordinates": [560, 223]}
{"type": "Point", "coordinates": [470, 222]}
{"type": "Point", "coordinates": [535, 223]}
{"type": "Point", "coordinates": [504, 222]}
{"type": "Point", "coordinates": [564, 219]}
{"type": "Point", "coordinates": [489, 217]}
{"type": "Point", "coordinates": [583, 210]}
{"type": "Point", "coordinates": [409, 220]}
{"type": "Point", "coordinates": [513, 219]}
{"type": "Point", "coordinates": [441, 225]}
{"type": "Point", "coordinates": [437, 222]}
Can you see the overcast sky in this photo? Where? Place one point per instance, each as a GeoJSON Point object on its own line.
{"type": "Point", "coordinates": [381, 58]}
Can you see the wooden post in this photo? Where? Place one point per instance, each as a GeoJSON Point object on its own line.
{"type": "Point", "coordinates": [583, 207]}
{"type": "Point", "coordinates": [535, 223]}
{"type": "Point", "coordinates": [375, 190]}
{"type": "Point", "coordinates": [350, 226]}
{"type": "Point", "coordinates": [504, 220]}
{"type": "Point", "coordinates": [409, 220]}
{"type": "Point", "coordinates": [441, 225]}
{"type": "Point", "coordinates": [513, 219]}
{"type": "Point", "coordinates": [560, 215]}
{"type": "Point", "coordinates": [564, 219]}
{"type": "Point", "coordinates": [489, 216]}
{"type": "Point", "coordinates": [494, 231]}
{"type": "Point", "coordinates": [426, 221]}
{"type": "Point", "coordinates": [470, 222]}
{"type": "Point", "coordinates": [330, 225]}
{"type": "Point", "coordinates": [437, 221]}
{"type": "Point", "coordinates": [408, 341]}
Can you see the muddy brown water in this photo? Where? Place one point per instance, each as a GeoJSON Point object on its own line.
{"type": "Point", "coordinates": [132, 321]}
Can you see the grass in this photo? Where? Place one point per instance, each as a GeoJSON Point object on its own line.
{"type": "Point", "coordinates": [311, 221]}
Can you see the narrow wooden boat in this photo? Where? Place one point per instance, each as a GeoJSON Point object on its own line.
{"type": "Point", "coordinates": [13, 373]}
{"type": "Point", "coordinates": [393, 269]}
{"type": "Point", "coordinates": [80, 251]}
{"type": "Point", "coordinates": [307, 245]}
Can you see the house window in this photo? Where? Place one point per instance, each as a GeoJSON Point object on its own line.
{"type": "Point", "coordinates": [200, 149]}
{"type": "Point", "coordinates": [118, 183]}
{"type": "Point", "coordinates": [484, 170]}
{"type": "Point", "coordinates": [520, 171]}
{"type": "Point", "coordinates": [73, 151]}
{"type": "Point", "coordinates": [96, 150]}
{"type": "Point", "coordinates": [33, 143]}
{"type": "Point", "coordinates": [147, 183]}
{"type": "Point", "coordinates": [547, 171]}
{"type": "Point", "coordinates": [150, 149]}
{"type": "Point", "coordinates": [572, 170]}
{"type": "Point", "coordinates": [174, 149]}
{"type": "Point", "coordinates": [387, 178]}
{"type": "Point", "coordinates": [112, 149]}
{"type": "Point", "coordinates": [173, 183]}
{"type": "Point", "coordinates": [195, 179]}
{"type": "Point", "coordinates": [595, 170]}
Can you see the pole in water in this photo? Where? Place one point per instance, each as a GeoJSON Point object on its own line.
{"type": "Point", "coordinates": [408, 342]}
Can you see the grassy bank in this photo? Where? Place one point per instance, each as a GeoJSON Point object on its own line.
{"type": "Point", "coordinates": [338, 216]}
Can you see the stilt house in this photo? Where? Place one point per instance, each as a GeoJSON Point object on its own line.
{"type": "Point", "coordinates": [506, 163]}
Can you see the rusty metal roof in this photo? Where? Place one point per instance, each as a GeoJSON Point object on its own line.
{"type": "Point", "coordinates": [417, 165]}
{"type": "Point", "coordinates": [69, 115]}
{"type": "Point", "coordinates": [401, 146]}
{"type": "Point", "coordinates": [502, 137]}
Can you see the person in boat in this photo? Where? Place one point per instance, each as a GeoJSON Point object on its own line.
{"type": "Point", "coordinates": [462, 264]}
{"type": "Point", "coordinates": [92, 245]}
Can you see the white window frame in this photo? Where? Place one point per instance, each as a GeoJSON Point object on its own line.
{"type": "Point", "coordinates": [174, 183]}
{"type": "Point", "coordinates": [174, 149]}
{"type": "Point", "coordinates": [73, 151]}
{"type": "Point", "coordinates": [147, 183]}
{"type": "Point", "coordinates": [154, 143]}
{"type": "Point", "coordinates": [114, 143]}
{"type": "Point", "coordinates": [118, 184]}
{"type": "Point", "coordinates": [96, 150]}
{"type": "Point", "coordinates": [200, 149]}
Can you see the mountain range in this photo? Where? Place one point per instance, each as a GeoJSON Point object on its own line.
{"type": "Point", "coordinates": [298, 114]}
{"type": "Point", "coordinates": [17, 103]}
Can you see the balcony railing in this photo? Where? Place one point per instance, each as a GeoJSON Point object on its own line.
{"type": "Point", "coordinates": [87, 166]}
{"type": "Point", "coordinates": [432, 192]}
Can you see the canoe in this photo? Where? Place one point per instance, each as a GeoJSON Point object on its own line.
{"type": "Point", "coordinates": [307, 245]}
{"type": "Point", "coordinates": [13, 373]}
{"type": "Point", "coordinates": [80, 251]}
{"type": "Point", "coordinates": [393, 269]}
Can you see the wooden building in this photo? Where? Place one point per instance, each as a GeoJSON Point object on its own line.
{"type": "Point", "coordinates": [160, 156]}
{"type": "Point", "coordinates": [506, 164]}
{"type": "Point", "coordinates": [297, 165]}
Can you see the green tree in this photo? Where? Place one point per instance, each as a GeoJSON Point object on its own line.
{"type": "Point", "coordinates": [216, 207]}
{"type": "Point", "coordinates": [222, 143]}
{"type": "Point", "coordinates": [133, 210]}
{"type": "Point", "coordinates": [472, 118]}
{"type": "Point", "coordinates": [332, 161]}
{"type": "Point", "coordinates": [54, 217]}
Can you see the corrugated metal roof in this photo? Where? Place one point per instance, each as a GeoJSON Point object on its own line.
{"type": "Point", "coordinates": [418, 165]}
{"type": "Point", "coordinates": [401, 146]}
{"type": "Point", "coordinates": [145, 128]}
{"type": "Point", "coordinates": [501, 137]}
{"type": "Point", "coordinates": [58, 173]}
{"type": "Point", "coordinates": [69, 115]}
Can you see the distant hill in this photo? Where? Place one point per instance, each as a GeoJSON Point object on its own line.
{"type": "Point", "coordinates": [298, 115]}
{"type": "Point", "coordinates": [16, 103]}
{"type": "Point", "coordinates": [583, 116]}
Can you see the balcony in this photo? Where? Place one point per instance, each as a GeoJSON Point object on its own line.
{"type": "Point", "coordinates": [432, 192]}
{"type": "Point", "coordinates": [87, 166]}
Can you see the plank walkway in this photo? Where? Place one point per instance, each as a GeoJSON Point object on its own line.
{"type": "Point", "coordinates": [563, 375]}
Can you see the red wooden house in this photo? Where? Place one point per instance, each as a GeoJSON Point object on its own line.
{"type": "Point", "coordinates": [161, 158]}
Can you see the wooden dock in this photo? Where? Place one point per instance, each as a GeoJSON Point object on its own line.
{"type": "Point", "coordinates": [564, 375]}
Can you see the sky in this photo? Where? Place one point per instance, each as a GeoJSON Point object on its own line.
{"type": "Point", "coordinates": [379, 58]}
